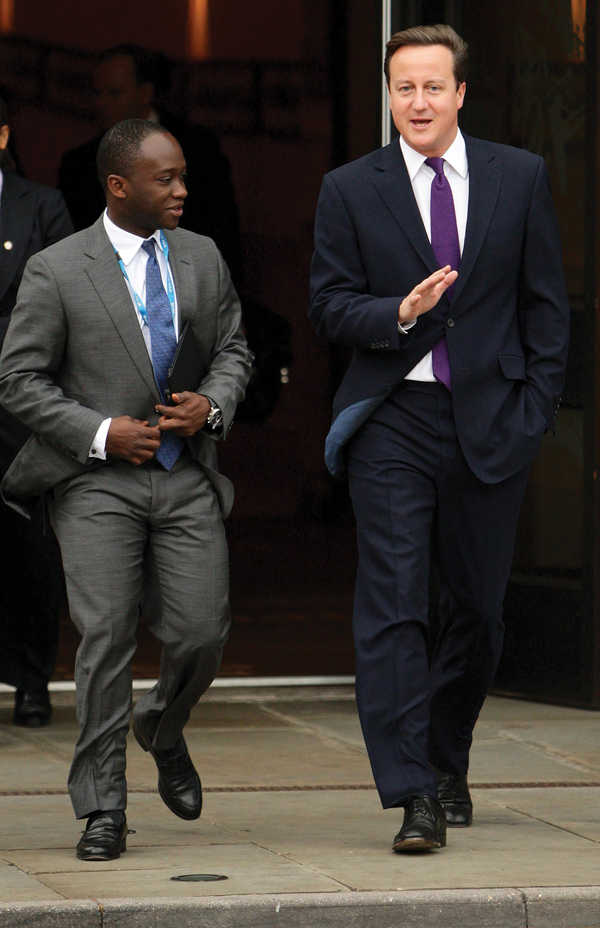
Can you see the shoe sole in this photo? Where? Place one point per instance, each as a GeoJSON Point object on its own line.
{"type": "Point", "coordinates": [418, 845]}
{"type": "Point", "coordinates": [144, 743]}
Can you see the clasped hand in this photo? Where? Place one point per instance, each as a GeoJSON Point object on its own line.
{"type": "Point", "coordinates": [135, 441]}
{"type": "Point", "coordinates": [426, 295]}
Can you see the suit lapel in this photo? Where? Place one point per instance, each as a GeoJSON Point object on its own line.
{"type": "Point", "coordinates": [394, 187]}
{"type": "Point", "coordinates": [108, 281]}
{"type": "Point", "coordinates": [485, 179]}
{"type": "Point", "coordinates": [184, 279]}
{"type": "Point", "coordinates": [16, 221]}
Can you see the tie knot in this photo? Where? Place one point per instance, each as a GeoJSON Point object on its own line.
{"type": "Point", "coordinates": [436, 163]}
{"type": "Point", "coordinates": [149, 247]}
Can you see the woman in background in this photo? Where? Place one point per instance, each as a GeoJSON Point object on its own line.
{"type": "Point", "coordinates": [32, 217]}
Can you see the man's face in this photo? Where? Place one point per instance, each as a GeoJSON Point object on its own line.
{"type": "Point", "coordinates": [119, 96]}
{"type": "Point", "coordinates": [424, 99]}
{"type": "Point", "coordinates": [155, 190]}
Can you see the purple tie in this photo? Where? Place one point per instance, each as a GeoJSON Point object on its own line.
{"type": "Point", "coordinates": [446, 248]}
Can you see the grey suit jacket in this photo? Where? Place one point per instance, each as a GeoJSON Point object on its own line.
{"type": "Point", "coordinates": [74, 355]}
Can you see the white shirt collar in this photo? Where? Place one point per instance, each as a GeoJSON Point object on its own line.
{"type": "Point", "coordinates": [126, 243]}
{"type": "Point", "coordinates": [456, 156]}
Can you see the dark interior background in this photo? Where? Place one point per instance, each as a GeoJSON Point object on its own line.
{"type": "Point", "coordinates": [293, 89]}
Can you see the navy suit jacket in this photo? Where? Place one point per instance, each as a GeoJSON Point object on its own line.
{"type": "Point", "coordinates": [507, 325]}
{"type": "Point", "coordinates": [32, 216]}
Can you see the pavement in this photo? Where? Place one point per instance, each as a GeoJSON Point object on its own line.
{"type": "Point", "coordinates": [292, 823]}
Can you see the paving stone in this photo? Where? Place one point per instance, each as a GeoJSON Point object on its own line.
{"type": "Point", "coordinates": [330, 845]}
{"type": "Point", "coordinates": [356, 847]}
{"type": "Point", "coordinates": [225, 715]}
{"type": "Point", "coordinates": [249, 869]}
{"type": "Point", "coordinates": [17, 886]}
{"type": "Point", "coordinates": [574, 810]}
{"type": "Point", "coordinates": [512, 762]}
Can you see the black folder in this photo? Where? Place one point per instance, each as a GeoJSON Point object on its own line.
{"type": "Point", "coordinates": [187, 368]}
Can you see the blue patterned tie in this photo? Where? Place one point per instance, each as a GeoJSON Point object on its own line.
{"type": "Point", "coordinates": [446, 248]}
{"type": "Point", "coordinates": [163, 344]}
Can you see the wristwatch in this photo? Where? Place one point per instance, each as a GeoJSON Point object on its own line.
{"type": "Point", "coordinates": [215, 416]}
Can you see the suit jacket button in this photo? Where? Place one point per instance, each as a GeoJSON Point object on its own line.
{"type": "Point", "coordinates": [450, 323]}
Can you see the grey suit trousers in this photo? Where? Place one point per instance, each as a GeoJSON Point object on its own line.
{"type": "Point", "coordinates": [129, 533]}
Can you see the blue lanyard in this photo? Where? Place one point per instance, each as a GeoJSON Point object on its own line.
{"type": "Point", "coordinates": [170, 289]}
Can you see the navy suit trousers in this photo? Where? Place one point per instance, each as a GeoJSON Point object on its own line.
{"type": "Point", "coordinates": [416, 499]}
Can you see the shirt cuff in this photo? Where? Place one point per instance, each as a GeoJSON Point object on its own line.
{"type": "Point", "coordinates": [98, 449]}
{"type": "Point", "coordinates": [403, 327]}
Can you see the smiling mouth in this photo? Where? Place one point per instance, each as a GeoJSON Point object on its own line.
{"type": "Point", "coordinates": [176, 209]}
{"type": "Point", "coordinates": [421, 123]}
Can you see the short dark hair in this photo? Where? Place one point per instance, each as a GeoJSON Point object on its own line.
{"type": "Point", "coordinates": [149, 67]}
{"type": "Point", "coordinates": [431, 35]}
{"type": "Point", "coordinates": [120, 146]}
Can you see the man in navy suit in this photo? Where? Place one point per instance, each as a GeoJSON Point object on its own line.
{"type": "Point", "coordinates": [438, 260]}
{"type": "Point", "coordinates": [32, 217]}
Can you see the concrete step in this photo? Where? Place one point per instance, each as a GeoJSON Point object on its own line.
{"type": "Point", "coordinates": [494, 908]}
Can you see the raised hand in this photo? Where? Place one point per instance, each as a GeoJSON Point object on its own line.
{"type": "Point", "coordinates": [426, 295]}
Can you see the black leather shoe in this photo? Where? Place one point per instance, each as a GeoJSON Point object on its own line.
{"type": "Point", "coordinates": [178, 782]}
{"type": "Point", "coordinates": [104, 838]}
{"type": "Point", "coordinates": [453, 793]}
{"type": "Point", "coordinates": [424, 826]}
{"type": "Point", "coordinates": [32, 709]}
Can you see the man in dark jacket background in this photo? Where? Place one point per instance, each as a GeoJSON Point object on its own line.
{"type": "Point", "coordinates": [32, 217]}
{"type": "Point", "coordinates": [129, 82]}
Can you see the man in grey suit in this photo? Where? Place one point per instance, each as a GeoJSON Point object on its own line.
{"type": "Point", "coordinates": [131, 482]}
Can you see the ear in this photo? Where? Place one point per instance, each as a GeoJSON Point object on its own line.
{"type": "Point", "coordinates": [4, 135]}
{"type": "Point", "coordinates": [117, 186]}
{"type": "Point", "coordinates": [461, 94]}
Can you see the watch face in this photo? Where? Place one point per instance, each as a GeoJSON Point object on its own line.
{"type": "Point", "coordinates": [214, 417]}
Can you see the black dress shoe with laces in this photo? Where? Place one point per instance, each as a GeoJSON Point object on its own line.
{"type": "Point", "coordinates": [105, 836]}
{"type": "Point", "coordinates": [424, 826]}
{"type": "Point", "coordinates": [32, 709]}
{"type": "Point", "coordinates": [178, 781]}
{"type": "Point", "coordinates": [453, 793]}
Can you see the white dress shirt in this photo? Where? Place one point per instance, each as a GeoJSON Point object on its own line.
{"type": "Point", "coordinates": [456, 169]}
{"type": "Point", "coordinates": [135, 259]}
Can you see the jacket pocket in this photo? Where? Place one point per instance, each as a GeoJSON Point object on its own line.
{"type": "Point", "coordinates": [513, 366]}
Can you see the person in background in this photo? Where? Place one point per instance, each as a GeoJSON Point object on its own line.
{"type": "Point", "coordinates": [128, 81]}
{"type": "Point", "coordinates": [31, 218]}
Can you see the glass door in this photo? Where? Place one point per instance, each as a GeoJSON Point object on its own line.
{"type": "Point", "coordinates": [533, 83]}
